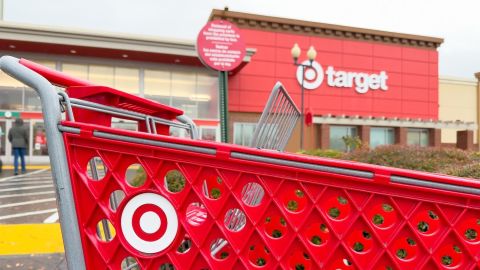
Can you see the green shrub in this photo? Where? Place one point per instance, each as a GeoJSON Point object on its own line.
{"type": "Point", "coordinates": [352, 143]}
{"type": "Point", "coordinates": [470, 170]}
{"type": "Point", "coordinates": [175, 181]}
{"type": "Point", "coordinates": [139, 177]}
{"type": "Point", "coordinates": [329, 153]}
{"type": "Point", "coordinates": [450, 161]}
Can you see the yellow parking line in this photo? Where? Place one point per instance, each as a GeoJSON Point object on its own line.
{"type": "Point", "coordinates": [16, 239]}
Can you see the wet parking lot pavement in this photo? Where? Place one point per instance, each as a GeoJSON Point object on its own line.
{"type": "Point", "coordinates": [27, 200]}
{"type": "Point", "coordinates": [34, 262]}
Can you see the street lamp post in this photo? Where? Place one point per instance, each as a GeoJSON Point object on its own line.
{"type": "Point", "coordinates": [311, 55]}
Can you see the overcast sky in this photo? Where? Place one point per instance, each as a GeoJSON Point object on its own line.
{"type": "Point", "coordinates": [457, 21]}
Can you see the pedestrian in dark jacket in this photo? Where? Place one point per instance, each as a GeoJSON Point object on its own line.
{"type": "Point", "coordinates": [18, 137]}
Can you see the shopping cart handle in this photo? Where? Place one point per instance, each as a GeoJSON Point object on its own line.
{"type": "Point", "coordinates": [54, 77]}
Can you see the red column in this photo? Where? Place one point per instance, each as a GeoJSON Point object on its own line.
{"type": "Point", "coordinates": [324, 138]}
{"type": "Point", "coordinates": [364, 134]}
{"type": "Point", "coordinates": [465, 139]}
{"type": "Point", "coordinates": [435, 137]}
{"type": "Point", "coordinates": [401, 135]}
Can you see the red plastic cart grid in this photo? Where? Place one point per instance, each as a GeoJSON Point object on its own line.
{"type": "Point", "coordinates": [243, 208]}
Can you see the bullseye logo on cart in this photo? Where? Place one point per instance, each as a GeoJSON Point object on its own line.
{"type": "Point", "coordinates": [362, 82]}
{"type": "Point", "coordinates": [149, 223]}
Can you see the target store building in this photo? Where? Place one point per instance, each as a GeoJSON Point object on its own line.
{"type": "Point", "coordinates": [381, 86]}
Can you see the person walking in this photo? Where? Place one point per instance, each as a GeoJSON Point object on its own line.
{"type": "Point", "coordinates": [18, 137]}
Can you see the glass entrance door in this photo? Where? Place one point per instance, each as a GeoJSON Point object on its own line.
{"type": "Point", "coordinates": [39, 141]}
{"type": "Point", "coordinates": [3, 137]}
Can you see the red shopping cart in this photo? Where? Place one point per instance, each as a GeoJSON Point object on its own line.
{"type": "Point", "coordinates": [146, 200]}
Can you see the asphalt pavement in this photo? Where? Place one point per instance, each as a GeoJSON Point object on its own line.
{"type": "Point", "coordinates": [28, 200]}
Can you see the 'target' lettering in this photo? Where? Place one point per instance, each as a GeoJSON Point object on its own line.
{"type": "Point", "coordinates": [363, 82]}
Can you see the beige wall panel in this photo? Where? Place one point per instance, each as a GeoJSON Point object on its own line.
{"type": "Point", "coordinates": [458, 101]}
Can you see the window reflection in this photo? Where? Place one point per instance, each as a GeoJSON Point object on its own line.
{"type": "Point", "coordinates": [194, 90]}
{"type": "Point", "coordinates": [102, 75]}
{"type": "Point", "coordinates": [127, 79]}
{"type": "Point", "coordinates": [39, 140]}
{"type": "Point", "coordinates": [32, 100]}
{"type": "Point", "coordinates": [243, 133]}
{"type": "Point", "coordinates": [208, 133]}
{"type": "Point", "coordinates": [417, 137]}
{"type": "Point", "coordinates": [77, 71]}
{"type": "Point", "coordinates": [381, 136]}
{"type": "Point", "coordinates": [11, 98]}
{"type": "Point", "coordinates": [157, 86]}
{"type": "Point", "coordinates": [207, 89]}
{"type": "Point", "coordinates": [15, 96]}
{"type": "Point", "coordinates": [11, 93]}
{"type": "Point", "coordinates": [336, 136]}
{"type": "Point", "coordinates": [183, 93]}
{"type": "Point", "coordinates": [3, 135]}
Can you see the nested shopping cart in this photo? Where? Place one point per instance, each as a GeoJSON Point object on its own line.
{"type": "Point", "coordinates": [142, 199]}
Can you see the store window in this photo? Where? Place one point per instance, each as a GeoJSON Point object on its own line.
{"type": "Point", "coordinates": [102, 75]}
{"type": "Point", "coordinates": [31, 138]}
{"type": "Point", "coordinates": [3, 137]}
{"type": "Point", "coordinates": [180, 133]}
{"type": "Point", "coordinates": [11, 97]}
{"type": "Point", "coordinates": [127, 79]}
{"type": "Point", "coordinates": [417, 137]}
{"type": "Point", "coordinates": [206, 96]}
{"type": "Point", "coordinates": [208, 133]}
{"type": "Point", "coordinates": [381, 136]}
{"type": "Point", "coordinates": [183, 93]}
{"type": "Point", "coordinates": [243, 133]}
{"type": "Point", "coordinates": [157, 85]}
{"type": "Point", "coordinates": [31, 100]}
{"type": "Point", "coordinates": [15, 96]}
{"type": "Point", "coordinates": [193, 92]}
{"type": "Point", "coordinates": [39, 140]}
{"type": "Point", "coordinates": [337, 133]}
{"type": "Point", "coordinates": [76, 70]}
{"type": "Point", "coordinates": [124, 124]}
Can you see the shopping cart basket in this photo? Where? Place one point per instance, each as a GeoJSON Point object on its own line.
{"type": "Point", "coordinates": [146, 200]}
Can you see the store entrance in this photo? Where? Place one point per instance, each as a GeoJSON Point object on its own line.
{"type": "Point", "coordinates": [37, 151]}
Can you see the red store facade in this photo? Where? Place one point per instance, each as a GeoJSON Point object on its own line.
{"type": "Point", "coordinates": [379, 86]}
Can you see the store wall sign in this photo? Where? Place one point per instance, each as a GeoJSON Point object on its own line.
{"type": "Point", "coordinates": [220, 46]}
{"type": "Point", "coordinates": [9, 114]}
{"type": "Point", "coordinates": [361, 82]}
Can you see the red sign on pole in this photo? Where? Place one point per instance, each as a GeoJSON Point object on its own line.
{"type": "Point", "coordinates": [220, 46]}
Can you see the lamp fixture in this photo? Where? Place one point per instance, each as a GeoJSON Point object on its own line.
{"type": "Point", "coordinates": [311, 55]}
{"type": "Point", "coordinates": [296, 52]}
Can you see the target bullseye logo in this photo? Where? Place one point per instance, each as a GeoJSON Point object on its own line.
{"type": "Point", "coordinates": [313, 76]}
{"type": "Point", "coordinates": [149, 223]}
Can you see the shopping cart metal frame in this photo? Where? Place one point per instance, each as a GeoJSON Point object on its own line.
{"type": "Point", "coordinates": [54, 103]}
{"type": "Point", "coordinates": [52, 116]}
